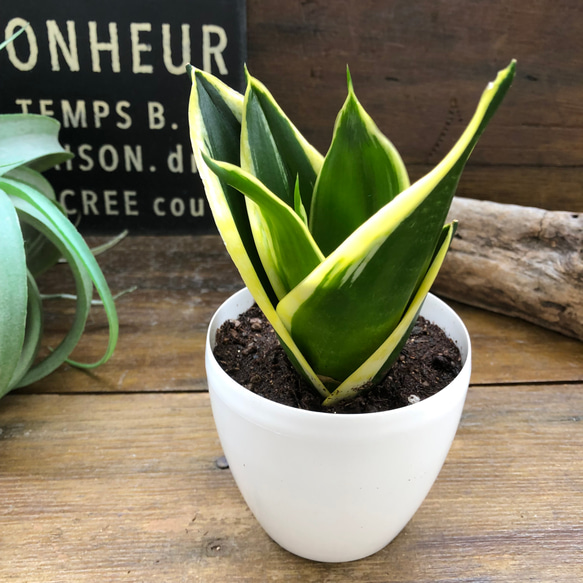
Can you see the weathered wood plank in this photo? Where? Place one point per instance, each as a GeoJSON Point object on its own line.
{"type": "Point", "coordinates": [419, 68]}
{"type": "Point", "coordinates": [125, 488]}
{"type": "Point", "coordinates": [509, 350]}
{"type": "Point", "coordinates": [519, 261]}
{"type": "Point", "coordinates": [182, 280]}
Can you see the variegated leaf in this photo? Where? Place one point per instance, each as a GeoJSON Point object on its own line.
{"type": "Point", "coordinates": [378, 364]}
{"type": "Point", "coordinates": [361, 173]}
{"type": "Point", "coordinates": [342, 312]}
{"type": "Point", "coordinates": [273, 149]}
{"type": "Point", "coordinates": [215, 114]}
{"type": "Point", "coordinates": [286, 247]}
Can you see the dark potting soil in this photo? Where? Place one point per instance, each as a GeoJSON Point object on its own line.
{"type": "Point", "coordinates": [248, 350]}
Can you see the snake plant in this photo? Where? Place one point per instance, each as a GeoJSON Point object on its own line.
{"type": "Point", "coordinates": [34, 234]}
{"type": "Point", "coordinates": [339, 251]}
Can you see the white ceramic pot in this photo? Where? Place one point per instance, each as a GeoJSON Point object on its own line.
{"type": "Point", "coordinates": [334, 487]}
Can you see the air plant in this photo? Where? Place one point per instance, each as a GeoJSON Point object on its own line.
{"type": "Point", "coordinates": [340, 251]}
{"type": "Point", "coordinates": [35, 234]}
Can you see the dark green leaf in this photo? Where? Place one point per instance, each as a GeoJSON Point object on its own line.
{"type": "Point", "coordinates": [362, 172]}
{"type": "Point", "coordinates": [349, 305]}
{"type": "Point", "coordinates": [381, 360]}
{"type": "Point", "coordinates": [210, 100]}
{"type": "Point", "coordinates": [272, 148]}
{"type": "Point", "coordinates": [215, 120]}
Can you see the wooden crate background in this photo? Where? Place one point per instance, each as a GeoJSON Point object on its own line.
{"type": "Point", "coordinates": [419, 67]}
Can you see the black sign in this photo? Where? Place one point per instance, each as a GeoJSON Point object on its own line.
{"type": "Point", "coordinates": [113, 73]}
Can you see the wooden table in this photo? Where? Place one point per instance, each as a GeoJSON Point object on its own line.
{"type": "Point", "coordinates": [112, 475]}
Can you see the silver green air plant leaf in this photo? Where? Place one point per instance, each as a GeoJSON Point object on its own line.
{"type": "Point", "coordinates": [34, 234]}
{"type": "Point", "coordinates": [340, 251]}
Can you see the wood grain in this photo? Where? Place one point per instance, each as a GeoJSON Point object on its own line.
{"type": "Point", "coordinates": [419, 68]}
{"type": "Point", "coordinates": [545, 187]}
{"type": "Point", "coordinates": [125, 488]}
{"type": "Point", "coordinates": [182, 280]}
{"type": "Point", "coordinates": [520, 261]}
{"type": "Point", "coordinates": [112, 476]}
{"type": "Point", "coordinates": [509, 350]}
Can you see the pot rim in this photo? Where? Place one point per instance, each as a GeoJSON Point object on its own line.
{"type": "Point", "coordinates": [426, 408]}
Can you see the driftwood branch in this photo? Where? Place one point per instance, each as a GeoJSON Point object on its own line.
{"type": "Point", "coordinates": [520, 261]}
